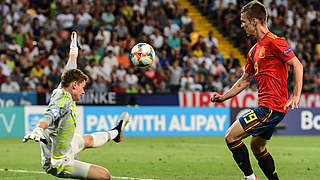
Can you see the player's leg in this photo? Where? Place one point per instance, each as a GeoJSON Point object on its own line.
{"type": "Point", "coordinates": [233, 138]}
{"type": "Point", "coordinates": [265, 160]}
{"type": "Point", "coordinates": [262, 132]}
{"type": "Point", "coordinates": [100, 138]}
{"type": "Point", "coordinates": [83, 170]}
{"type": "Point", "coordinates": [98, 172]}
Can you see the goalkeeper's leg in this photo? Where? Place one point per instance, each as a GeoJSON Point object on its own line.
{"type": "Point", "coordinates": [83, 170]}
{"type": "Point", "coordinates": [100, 138]}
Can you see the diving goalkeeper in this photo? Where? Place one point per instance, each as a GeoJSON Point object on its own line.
{"type": "Point", "coordinates": [56, 130]}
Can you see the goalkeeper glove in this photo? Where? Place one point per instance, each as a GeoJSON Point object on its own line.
{"type": "Point", "coordinates": [36, 135]}
{"type": "Point", "coordinates": [74, 45]}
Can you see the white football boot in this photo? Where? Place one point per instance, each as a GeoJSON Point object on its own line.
{"type": "Point", "coordinates": [123, 121]}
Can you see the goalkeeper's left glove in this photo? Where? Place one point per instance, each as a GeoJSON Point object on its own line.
{"type": "Point", "coordinates": [36, 135]}
{"type": "Point", "coordinates": [74, 45]}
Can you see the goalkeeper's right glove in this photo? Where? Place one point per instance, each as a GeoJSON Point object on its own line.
{"type": "Point", "coordinates": [36, 135]}
{"type": "Point", "coordinates": [74, 45]}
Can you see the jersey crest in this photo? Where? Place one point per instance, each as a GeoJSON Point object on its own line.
{"type": "Point", "coordinates": [262, 52]}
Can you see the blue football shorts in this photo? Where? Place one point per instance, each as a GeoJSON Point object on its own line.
{"type": "Point", "coordinates": [261, 121]}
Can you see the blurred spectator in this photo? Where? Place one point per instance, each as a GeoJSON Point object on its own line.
{"type": "Point", "coordinates": [308, 84]}
{"type": "Point", "coordinates": [317, 82]}
{"type": "Point", "coordinates": [174, 76]}
{"type": "Point", "coordinates": [185, 19]}
{"type": "Point", "coordinates": [37, 70]}
{"type": "Point", "coordinates": [10, 86]}
{"type": "Point", "coordinates": [119, 88]}
{"type": "Point", "coordinates": [217, 69]}
{"type": "Point", "coordinates": [187, 78]}
{"type": "Point", "coordinates": [232, 62]}
{"type": "Point", "coordinates": [131, 78]}
{"type": "Point", "coordinates": [162, 88]}
{"type": "Point", "coordinates": [126, 10]}
{"type": "Point", "coordinates": [123, 59]}
{"type": "Point", "coordinates": [92, 69]}
{"type": "Point", "coordinates": [110, 59]}
{"type": "Point", "coordinates": [196, 86]}
{"type": "Point", "coordinates": [103, 35]}
{"type": "Point", "coordinates": [211, 40]}
{"type": "Point", "coordinates": [131, 89]}
{"type": "Point", "coordinates": [217, 84]}
{"type": "Point", "coordinates": [174, 42]}
{"type": "Point", "coordinates": [108, 18]}
{"type": "Point", "coordinates": [99, 85]}
{"type": "Point", "coordinates": [84, 17]}
{"type": "Point", "coordinates": [170, 29]}
{"type": "Point", "coordinates": [121, 72]}
{"type": "Point", "coordinates": [6, 70]}
{"type": "Point", "coordinates": [148, 28]}
{"type": "Point", "coordinates": [14, 48]}
{"type": "Point", "coordinates": [164, 60]}
{"type": "Point", "coordinates": [157, 39]}
{"type": "Point", "coordinates": [65, 19]}
{"type": "Point", "coordinates": [2, 77]}
{"type": "Point", "coordinates": [121, 29]}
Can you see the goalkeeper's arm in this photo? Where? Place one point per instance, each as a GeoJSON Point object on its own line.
{"type": "Point", "coordinates": [73, 55]}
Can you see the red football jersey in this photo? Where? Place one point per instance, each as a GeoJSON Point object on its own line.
{"type": "Point", "coordinates": [267, 61]}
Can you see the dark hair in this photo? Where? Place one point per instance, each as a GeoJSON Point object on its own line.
{"type": "Point", "coordinates": [255, 9]}
{"type": "Point", "coordinates": [71, 75]}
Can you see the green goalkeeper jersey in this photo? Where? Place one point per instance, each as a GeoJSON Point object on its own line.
{"type": "Point", "coordinates": [60, 116]}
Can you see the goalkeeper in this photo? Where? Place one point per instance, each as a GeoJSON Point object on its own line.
{"type": "Point", "coordinates": [56, 130]}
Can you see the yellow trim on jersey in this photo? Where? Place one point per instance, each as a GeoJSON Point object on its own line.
{"type": "Point", "coordinates": [272, 36]}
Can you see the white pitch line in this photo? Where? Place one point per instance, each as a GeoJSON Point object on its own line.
{"type": "Point", "coordinates": [41, 172]}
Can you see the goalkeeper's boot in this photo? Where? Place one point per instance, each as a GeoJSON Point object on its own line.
{"type": "Point", "coordinates": [123, 121]}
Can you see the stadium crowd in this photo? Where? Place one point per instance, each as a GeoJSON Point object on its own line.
{"type": "Point", "coordinates": [34, 42]}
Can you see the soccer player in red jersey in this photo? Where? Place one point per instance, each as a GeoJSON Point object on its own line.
{"type": "Point", "coordinates": [268, 62]}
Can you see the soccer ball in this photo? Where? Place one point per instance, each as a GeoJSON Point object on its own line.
{"type": "Point", "coordinates": [142, 55]}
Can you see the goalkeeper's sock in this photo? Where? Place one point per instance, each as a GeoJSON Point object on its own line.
{"type": "Point", "coordinates": [266, 164]}
{"type": "Point", "coordinates": [100, 138]}
{"type": "Point", "coordinates": [241, 156]}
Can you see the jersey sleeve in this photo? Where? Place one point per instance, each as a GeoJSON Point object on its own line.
{"type": "Point", "coordinates": [249, 68]}
{"type": "Point", "coordinates": [59, 100]}
{"type": "Point", "coordinates": [282, 50]}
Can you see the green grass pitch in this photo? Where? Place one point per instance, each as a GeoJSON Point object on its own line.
{"type": "Point", "coordinates": [170, 158]}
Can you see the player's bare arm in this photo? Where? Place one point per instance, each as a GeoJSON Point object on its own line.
{"type": "Point", "coordinates": [239, 86]}
{"type": "Point", "coordinates": [297, 78]}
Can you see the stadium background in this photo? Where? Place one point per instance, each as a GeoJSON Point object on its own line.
{"type": "Point", "coordinates": [169, 99]}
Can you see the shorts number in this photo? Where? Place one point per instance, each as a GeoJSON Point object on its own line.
{"type": "Point", "coordinates": [249, 117]}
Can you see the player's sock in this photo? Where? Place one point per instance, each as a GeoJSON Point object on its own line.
{"type": "Point", "coordinates": [100, 138]}
{"type": "Point", "coordinates": [241, 156]}
{"type": "Point", "coordinates": [266, 163]}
